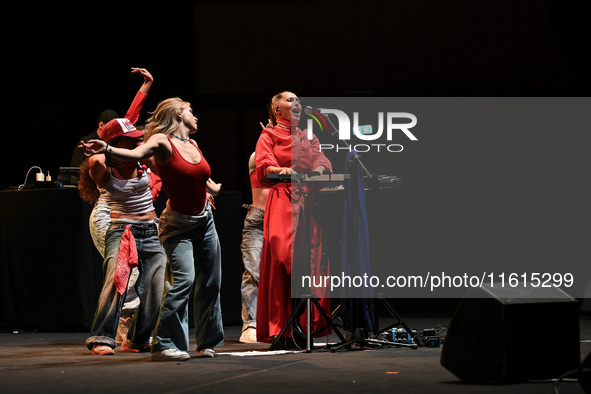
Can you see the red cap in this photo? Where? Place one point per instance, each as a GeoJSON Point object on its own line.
{"type": "Point", "coordinates": [120, 126]}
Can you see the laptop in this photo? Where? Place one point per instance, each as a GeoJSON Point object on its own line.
{"type": "Point", "coordinates": [68, 176]}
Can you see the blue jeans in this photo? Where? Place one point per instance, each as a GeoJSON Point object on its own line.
{"type": "Point", "coordinates": [251, 247]}
{"type": "Point", "coordinates": [194, 261]}
{"type": "Point", "coordinates": [98, 223]}
{"type": "Point", "coordinates": [149, 286]}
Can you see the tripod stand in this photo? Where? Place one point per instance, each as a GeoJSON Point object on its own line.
{"type": "Point", "coordinates": [306, 302]}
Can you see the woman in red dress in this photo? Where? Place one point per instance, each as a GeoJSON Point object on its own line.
{"type": "Point", "coordinates": [285, 149]}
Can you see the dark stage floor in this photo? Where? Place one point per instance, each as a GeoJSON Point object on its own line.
{"type": "Point", "coordinates": [59, 362]}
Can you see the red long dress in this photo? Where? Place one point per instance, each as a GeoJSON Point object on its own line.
{"type": "Point", "coordinates": [278, 147]}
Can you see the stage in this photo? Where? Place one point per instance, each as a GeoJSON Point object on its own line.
{"type": "Point", "coordinates": [59, 362]}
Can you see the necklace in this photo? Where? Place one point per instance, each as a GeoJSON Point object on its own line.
{"type": "Point", "coordinates": [180, 138]}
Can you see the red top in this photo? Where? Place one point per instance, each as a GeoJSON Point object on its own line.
{"type": "Point", "coordinates": [255, 183]}
{"type": "Point", "coordinates": [283, 147]}
{"type": "Point", "coordinates": [184, 182]}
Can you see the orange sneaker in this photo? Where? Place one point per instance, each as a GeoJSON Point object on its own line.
{"type": "Point", "coordinates": [102, 350]}
{"type": "Point", "coordinates": [127, 349]}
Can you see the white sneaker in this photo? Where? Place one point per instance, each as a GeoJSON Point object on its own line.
{"type": "Point", "coordinates": [206, 353]}
{"type": "Point", "coordinates": [249, 335]}
{"type": "Point", "coordinates": [170, 355]}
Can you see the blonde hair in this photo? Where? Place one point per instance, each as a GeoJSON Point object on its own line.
{"type": "Point", "coordinates": [165, 118]}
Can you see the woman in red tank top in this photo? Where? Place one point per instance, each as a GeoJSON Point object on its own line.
{"type": "Point", "coordinates": [186, 230]}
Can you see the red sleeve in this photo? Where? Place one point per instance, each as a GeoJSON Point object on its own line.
{"type": "Point", "coordinates": [155, 185]}
{"type": "Point", "coordinates": [265, 156]}
{"type": "Point", "coordinates": [133, 113]}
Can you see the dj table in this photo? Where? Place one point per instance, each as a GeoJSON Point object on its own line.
{"type": "Point", "coordinates": [50, 272]}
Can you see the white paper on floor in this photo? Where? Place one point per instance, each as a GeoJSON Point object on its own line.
{"type": "Point", "coordinates": [258, 353]}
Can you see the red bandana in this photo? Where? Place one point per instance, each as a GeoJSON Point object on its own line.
{"type": "Point", "coordinates": [126, 260]}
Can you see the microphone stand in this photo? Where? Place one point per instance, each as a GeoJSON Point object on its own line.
{"type": "Point", "coordinates": [376, 181]}
{"type": "Point", "coordinates": [355, 155]}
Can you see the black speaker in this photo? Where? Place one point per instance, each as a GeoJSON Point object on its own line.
{"type": "Point", "coordinates": [502, 335]}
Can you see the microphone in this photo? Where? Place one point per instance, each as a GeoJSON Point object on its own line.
{"type": "Point", "coordinates": [308, 109]}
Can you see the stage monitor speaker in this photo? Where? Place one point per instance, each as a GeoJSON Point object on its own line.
{"type": "Point", "coordinates": [500, 335]}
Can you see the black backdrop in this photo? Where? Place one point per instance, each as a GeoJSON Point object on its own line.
{"type": "Point", "coordinates": [63, 63]}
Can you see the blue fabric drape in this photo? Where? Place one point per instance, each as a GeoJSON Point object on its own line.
{"type": "Point", "coordinates": [356, 252]}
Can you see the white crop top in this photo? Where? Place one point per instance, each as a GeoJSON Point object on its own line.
{"type": "Point", "coordinates": [128, 196]}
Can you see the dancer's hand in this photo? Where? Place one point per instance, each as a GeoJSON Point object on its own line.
{"type": "Point", "coordinates": [212, 187]}
{"type": "Point", "coordinates": [210, 200]}
{"type": "Point", "coordinates": [145, 73]}
{"type": "Point", "coordinates": [92, 147]}
{"type": "Point", "coordinates": [268, 126]}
